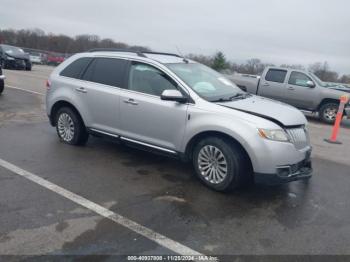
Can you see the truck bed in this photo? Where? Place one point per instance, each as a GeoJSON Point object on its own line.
{"type": "Point", "coordinates": [248, 83]}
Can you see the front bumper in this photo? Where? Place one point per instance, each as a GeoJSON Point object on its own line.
{"type": "Point", "coordinates": [15, 64]}
{"type": "Point", "coordinates": [284, 174]}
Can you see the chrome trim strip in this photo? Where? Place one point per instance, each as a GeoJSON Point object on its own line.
{"type": "Point", "coordinates": [149, 145]}
{"type": "Point", "coordinates": [105, 133]}
{"type": "Point", "coordinates": [134, 141]}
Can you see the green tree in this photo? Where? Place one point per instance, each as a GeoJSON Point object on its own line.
{"type": "Point", "coordinates": [219, 62]}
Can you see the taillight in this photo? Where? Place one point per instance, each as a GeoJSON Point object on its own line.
{"type": "Point", "coordinates": [48, 84]}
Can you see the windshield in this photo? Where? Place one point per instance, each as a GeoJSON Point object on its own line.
{"type": "Point", "coordinates": [206, 82]}
{"type": "Point", "coordinates": [12, 49]}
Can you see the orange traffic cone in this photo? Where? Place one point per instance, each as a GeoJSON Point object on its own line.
{"type": "Point", "coordinates": [333, 140]}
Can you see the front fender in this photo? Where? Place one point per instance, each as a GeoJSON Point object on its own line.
{"type": "Point", "coordinates": [241, 131]}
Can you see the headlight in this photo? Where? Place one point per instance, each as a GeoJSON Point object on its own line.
{"type": "Point", "coordinates": [274, 134]}
{"type": "Point", "coordinates": [9, 58]}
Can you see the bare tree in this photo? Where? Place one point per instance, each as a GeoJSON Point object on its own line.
{"type": "Point", "coordinates": [293, 66]}
{"type": "Point", "coordinates": [345, 79]}
{"type": "Point", "coordinates": [38, 39]}
{"type": "Point", "coordinates": [206, 60]}
{"type": "Point", "coordinates": [322, 70]}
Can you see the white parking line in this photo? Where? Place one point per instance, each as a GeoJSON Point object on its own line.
{"type": "Point", "coordinates": [26, 90]}
{"type": "Point", "coordinates": [123, 221]}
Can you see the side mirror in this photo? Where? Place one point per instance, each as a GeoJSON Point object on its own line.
{"type": "Point", "coordinates": [173, 95]}
{"type": "Point", "coordinates": [310, 84]}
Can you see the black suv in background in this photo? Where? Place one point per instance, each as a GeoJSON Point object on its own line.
{"type": "Point", "coordinates": [13, 57]}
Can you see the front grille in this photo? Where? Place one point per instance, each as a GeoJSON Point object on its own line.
{"type": "Point", "coordinates": [20, 62]}
{"type": "Point", "coordinates": [299, 137]}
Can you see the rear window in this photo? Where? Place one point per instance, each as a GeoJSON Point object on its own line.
{"type": "Point", "coordinates": [75, 69]}
{"type": "Point", "coordinates": [107, 71]}
{"type": "Point", "coordinates": [276, 75]}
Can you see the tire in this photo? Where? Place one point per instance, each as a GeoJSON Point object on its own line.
{"type": "Point", "coordinates": [238, 167]}
{"type": "Point", "coordinates": [2, 86]}
{"type": "Point", "coordinates": [70, 127]}
{"type": "Point", "coordinates": [28, 68]}
{"type": "Point", "coordinates": [328, 112]}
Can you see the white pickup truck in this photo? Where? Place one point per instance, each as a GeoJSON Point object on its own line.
{"type": "Point", "coordinates": [298, 88]}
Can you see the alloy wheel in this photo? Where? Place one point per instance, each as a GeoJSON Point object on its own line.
{"type": "Point", "coordinates": [330, 113]}
{"type": "Point", "coordinates": [65, 127]}
{"type": "Point", "coordinates": [212, 164]}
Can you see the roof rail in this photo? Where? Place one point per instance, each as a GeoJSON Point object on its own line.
{"type": "Point", "coordinates": [116, 50]}
{"type": "Point", "coordinates": [139, 53]}
{"type": "Point", "coordinates": [160, 53]}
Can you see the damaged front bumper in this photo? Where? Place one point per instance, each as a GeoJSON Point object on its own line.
{"type": "Point", "coordinates": [286, 173]}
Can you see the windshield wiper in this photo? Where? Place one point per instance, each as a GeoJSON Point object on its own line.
{"type": "Point", "coordinates": [231, 98]}
{"type": "Point", "coordinates": [221, 100]}
{"type": "Point", "coordinates": [240, 96]}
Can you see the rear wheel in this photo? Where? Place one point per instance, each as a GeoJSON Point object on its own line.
{"type": "Point", "coordinates": [328, 112]}
{"type": "Point", "coordinates": [220, 164]}
{"type": "Point", "coordinates": [2, 86]}
{"type": "Point", "coordinates": [28, 68]}
{"type": "Point", "coordinates": [70, 127]}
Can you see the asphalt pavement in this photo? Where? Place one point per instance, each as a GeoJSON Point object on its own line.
{"type": "Point", "coordinates": [157, 193]}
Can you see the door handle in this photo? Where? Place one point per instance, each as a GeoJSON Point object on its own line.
{"type": "Point", "coordinates": [266, 84]}
{"type": "Point", "coordinates": [130, 101]}
{"type": "Point", "coordinates": [290, 88]}
{"type": "Point", "coordinates": [81, 90]}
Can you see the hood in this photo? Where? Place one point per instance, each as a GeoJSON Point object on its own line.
{"type": "Point", "coordinates": [280, 113]}
{"type": "Point", "coordinates": [18, 55]}
{"type": "Point", "coordinates": [340, 88]}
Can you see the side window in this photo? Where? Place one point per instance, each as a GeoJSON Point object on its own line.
{"type": "Point", "coordinates": [298, 79]}
{"type": "Point", "coordinates": [276, 75]}
{"type": "Point", "coordinates": [107, 71]}
{"type": "Point", "coordinates": [75, 69]}
{"type": "Point", "coordinates": [148, 79]}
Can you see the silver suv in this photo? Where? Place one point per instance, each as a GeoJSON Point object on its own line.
{"type": "Point", "coordinates": [165, 103]}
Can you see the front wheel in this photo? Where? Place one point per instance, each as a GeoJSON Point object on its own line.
{"type": "Point", "coordinates": [328, 112]}
{"type": "Point", "coordinates": [70, 127]}
{"type": "Point", "coordinates": [221, 164]}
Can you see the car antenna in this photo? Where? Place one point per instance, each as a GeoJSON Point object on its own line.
{"type": "Point", "coordinates": [183, 58]}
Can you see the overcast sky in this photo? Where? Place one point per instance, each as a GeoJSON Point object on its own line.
{"type": "Point", "coordinates": [276, 31]}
